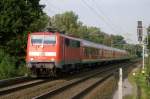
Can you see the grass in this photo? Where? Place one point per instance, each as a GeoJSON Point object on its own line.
{"type": "Point", "coordinates": [140, 80]}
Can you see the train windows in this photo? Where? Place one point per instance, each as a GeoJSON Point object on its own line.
{"type": "Point", "coordinates": [72, 43]}
{"type": "Point", "coordinates": [43, 39]}
{"type": "Point", "coordinates": [78, 44]}
{"type": "Point", "coordinates": [50, 39]}
{"type": "Point", "coordinates": [36, 39]}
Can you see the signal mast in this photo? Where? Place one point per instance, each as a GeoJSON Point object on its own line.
{"type": "Point", "coordinates": [141, 39]}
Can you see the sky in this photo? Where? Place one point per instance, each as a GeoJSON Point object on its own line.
{"type": "Point", "coordinates": [111, 16]}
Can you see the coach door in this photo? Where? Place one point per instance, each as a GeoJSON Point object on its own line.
{"type": "Point", "coordinates": [63, 49]}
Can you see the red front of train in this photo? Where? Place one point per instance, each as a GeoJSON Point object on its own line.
{"type": "Point", "coordinates": [47, 51]}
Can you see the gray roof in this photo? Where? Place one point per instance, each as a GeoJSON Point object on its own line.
{"type": "Point", "coordinates": [94, 45]}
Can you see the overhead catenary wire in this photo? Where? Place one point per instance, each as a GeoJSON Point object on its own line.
{"type": "Point", "coordinates": [106, 17]}
{"type": "Point", "coordinates": [98, 15]}
{"type": "Point", "coordinates": [124, 28]}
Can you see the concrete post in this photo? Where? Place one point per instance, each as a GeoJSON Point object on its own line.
{"type": "Point", "coordinates": [120, 84]}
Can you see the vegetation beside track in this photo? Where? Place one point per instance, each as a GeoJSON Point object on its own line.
{"type": "Point", "coordinates": [8, 66]}
{"type": "Point", "coordinates": [141, 82]}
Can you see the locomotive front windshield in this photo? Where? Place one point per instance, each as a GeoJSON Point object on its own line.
{"type": "Point", "coordinates": [43, 39]}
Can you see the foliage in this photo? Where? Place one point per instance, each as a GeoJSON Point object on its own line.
{"type": "Point", "coordinates": [143, 80]}
{"type": "Point", "coordinates": [69, 23]}
{"type": "Point", "coordinates": [148, 29]}
{"type": "Point", "coordinates": [7, 67]}
{"type": "Point", "coordinates": [148, 42]}
{"type": "Point", "coordinates": [16, 18]}
{"type": "Point", "coordinates": [144, 87]}
{"type": "Point", "coordinates": [147, 62]}
{"type": "Point", "coordinates": [133, 49]}
{"type": "Point", "coordinates": [118, 41]}
{"type": "Point", "coordinates": [39, 24]}
{"type": "Point", "coordinates": [65, 22]}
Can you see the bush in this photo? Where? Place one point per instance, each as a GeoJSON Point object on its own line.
{"type": "Point", "coordinates": [22, 70]}
{"type": "Point", "coordinates": [7, 67]}
{"type": "Point", "coordinates": [1, 54]}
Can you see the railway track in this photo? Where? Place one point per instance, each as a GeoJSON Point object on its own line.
{"type": "Point", "coordinates": [26, 89]}
{"type": "Point", "coordinates": [12, 81]}
{"type": "Point", "coordinates": [19, 86]}
{"type": "Point", "coordinates": [75, 89]}
{"type": "Point", "coordinates": [79, 88]}
{"type": "Point", "coordinates": [38, 87]}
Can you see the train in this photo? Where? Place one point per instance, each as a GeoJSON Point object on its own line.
{"type": "Point", "coordinates": [49, 53]}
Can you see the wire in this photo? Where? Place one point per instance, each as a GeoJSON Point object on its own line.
{"type": "Point", "coordinates": [106, 17]}
{"type": "Point", "coordinates": [109, 20]}
{"type": "Point", "coordinates": [98, 15]}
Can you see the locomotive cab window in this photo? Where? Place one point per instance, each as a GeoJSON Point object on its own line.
{"type": "Point", "coordinates": [43, 39]}
{"type": "Point", "coordinates": [36, 39]}
{"type": "Point", "coordinates": [50, 39]}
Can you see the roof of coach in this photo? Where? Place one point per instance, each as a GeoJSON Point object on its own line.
{"type": "Point", "coordinates": [95, 45]}
{"type": "Point", "coordinates": [92, 44]}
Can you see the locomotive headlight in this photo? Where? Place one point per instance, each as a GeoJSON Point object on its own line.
{"type": "Point", "coordinates": [32, 59]}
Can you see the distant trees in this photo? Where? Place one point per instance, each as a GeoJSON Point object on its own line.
{"type": "Point", "coordinates": [148, 29]}
{"type": "Point", "coordinates": [149, 41]}
{"type": "Point", "coordinates": [69, 23]}
{"type": "Point", "coordinates": [118, 41]}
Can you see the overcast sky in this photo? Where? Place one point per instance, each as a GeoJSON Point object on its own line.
{"type": "Point", "coordinates": [111, 16]}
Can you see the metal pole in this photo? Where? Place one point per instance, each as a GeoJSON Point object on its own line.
{"type": "Point", "coordinates": [120, 84]}
{"type": "Point", "coordinates": [143, 53]}
{"type": "Point", "coordinates": [143, 56]}
{"type": "Point", "coordinates": [143, 44]}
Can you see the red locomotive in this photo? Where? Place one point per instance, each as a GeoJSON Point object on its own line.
{"type": "Point", "coordinates": [48, 52]}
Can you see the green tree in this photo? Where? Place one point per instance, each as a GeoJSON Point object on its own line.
{"type": "Point", "coordinates": [148, 29]}
{"type": "Point", "coordinates": [7, 67]}
{"type": "Point", "coordinates": [39, 24]}
{"type": "Point", "coordinates": [16, 16]}
{"type": "Point", "coordinates": [118, 41]}
{"type": "Point", "coordinates": [67, 22]}
{"type": "Point", "coordinates": [95, 34]}
{"type": "Point", "coordinates": [148, 42]}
